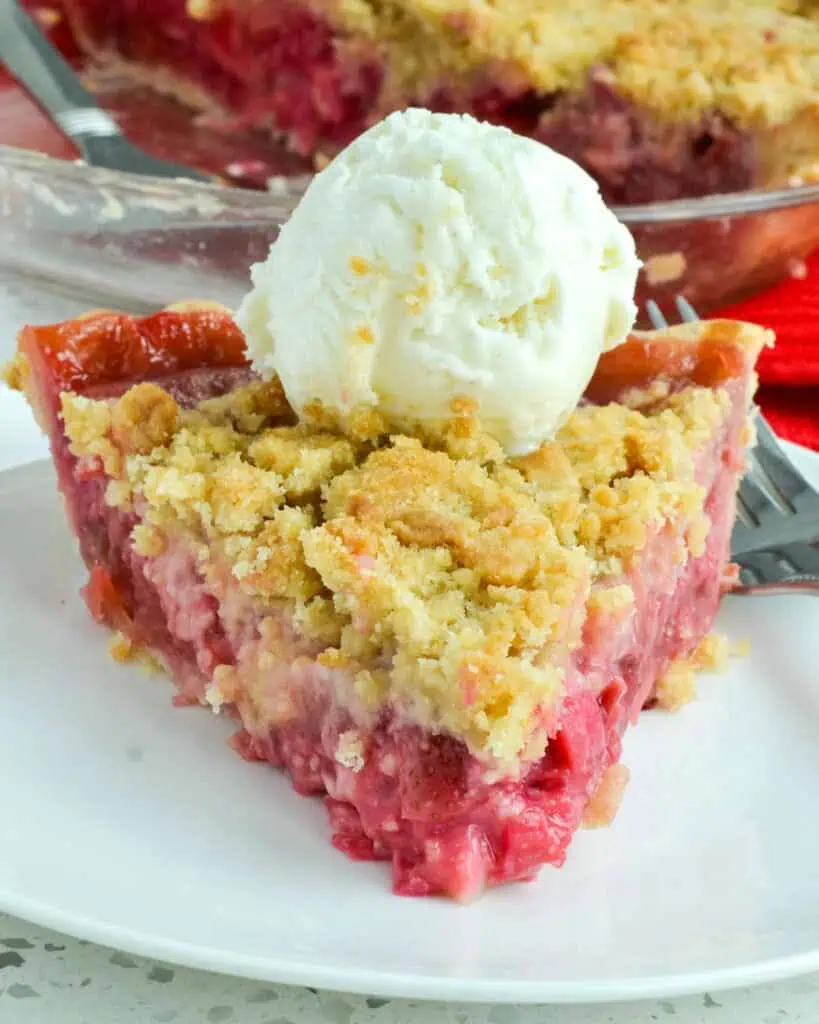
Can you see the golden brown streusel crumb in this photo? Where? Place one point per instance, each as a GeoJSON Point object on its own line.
{"type": "Point", "coordinates": [270, 564]}
{"type": "Point", "coordinates": [758, 62]}
{"type": "Point", "coordinates": [460, 436]}
{"type": "Point", "coordinates": [697, 534]}
{"type": "Point", "coordinates": [88, 428]}
{"type": "Point", "coordinates": [646, 397]}
{"type": "Point", "coordinates": [118, 494]}
{"type": "Point", "coordinates": [143, 419]}
{"type": "Point", "coordinates": [305, 460]}
{"type": "Point", "coordinates": [613, 473]}
{"type": "Point", "coordinates": [678, 686]}
{"type": "Point", "coordinates": [148, 541]}
{"type": "Point", "coordinates": [715, 651]}
{"type": "Point", "coordinates": [318, 619]}
{"type": "Point", "coordinates": [604, 804]}
{"type": "Point", "coordinates": [361, 424]}
{"type": "Point", "coordinates": [120, 647]}
{"type": "Point", "coordinates": [258, 404]}
{"type": "Point", "coordinates": [225, 683]}
{"type": "Point", "coordinates": [124, 650]}
{"type": "Point", "coordinates": [712, 653]}
{"type": "Point", "coordinates": [15, 372]}
{"type": "Point", "coordinates": [465, 577]}
{"type": "Point", "coordinates": [473, 571]}
{"type": "Point", "coordinates": [612, 601]}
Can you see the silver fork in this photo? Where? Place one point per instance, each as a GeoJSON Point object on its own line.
{"type": "Point", "coordinates": [774, 541]}
{"type": "Point", "coordinates": [41, 70]}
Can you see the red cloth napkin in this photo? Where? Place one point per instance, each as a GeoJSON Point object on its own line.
{"type": "Point", "coordinates": [789, 372]}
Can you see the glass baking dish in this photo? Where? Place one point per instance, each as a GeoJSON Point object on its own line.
{"type": "Point", "coordinates": [131, 243]}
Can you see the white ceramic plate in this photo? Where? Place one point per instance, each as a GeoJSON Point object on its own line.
{"type": "Point", "coordinates": [131, 823]}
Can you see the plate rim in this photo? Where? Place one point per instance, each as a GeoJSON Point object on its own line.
{"type": "Point", "coordinates": [393, 985]}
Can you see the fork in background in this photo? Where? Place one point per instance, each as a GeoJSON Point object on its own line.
{"type": "Point", "coordinates": [774, 540]}
{"type": "Point", "coordinates": [41, 70]}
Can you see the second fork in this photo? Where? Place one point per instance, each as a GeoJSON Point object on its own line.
{"type": "Point", "coordinates": [774, 538]}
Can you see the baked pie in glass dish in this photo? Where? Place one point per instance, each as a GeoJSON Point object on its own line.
{"type": "Point", "coordinates": [697, 119]}
{"type": "Point", "coordinates": [444, 643]}
{"type": "Point", "coordinates": [656, 100]}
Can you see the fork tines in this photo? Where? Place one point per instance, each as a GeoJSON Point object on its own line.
{"type": "Point", "coordinates": [777, 506]}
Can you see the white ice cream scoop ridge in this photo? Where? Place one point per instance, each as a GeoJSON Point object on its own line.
{"type": "Point", "coordinates": [439, 258]}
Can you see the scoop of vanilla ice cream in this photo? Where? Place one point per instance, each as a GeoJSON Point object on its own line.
{"type": "Point", "coordinates": [441, 258]}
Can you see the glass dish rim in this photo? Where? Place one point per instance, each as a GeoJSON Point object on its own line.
{"type": "Point", "coordinates": [284, 192]}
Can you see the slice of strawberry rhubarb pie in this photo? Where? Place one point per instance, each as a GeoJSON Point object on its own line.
{"type": "Point", "coordinates": [443, 637]}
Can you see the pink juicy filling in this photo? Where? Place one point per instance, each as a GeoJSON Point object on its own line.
{"type": "Point", "coordinates": [416, 798]}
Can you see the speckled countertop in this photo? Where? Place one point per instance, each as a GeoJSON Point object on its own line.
{"type": "Point", "coordinates": [50, 979]}
{"type": "Point", "coordinates": [46, 978]}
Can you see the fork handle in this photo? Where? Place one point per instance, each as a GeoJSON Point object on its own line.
{"type": "Point", "coordinates": [43, 73]}
{"type": "Point", "coordinates": [807, 585]}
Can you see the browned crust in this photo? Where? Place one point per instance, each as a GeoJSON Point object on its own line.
{"type": "Point", "coordinates": [706, 353]}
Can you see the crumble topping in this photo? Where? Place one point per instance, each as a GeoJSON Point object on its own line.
{"type": "Point", "coordinates": [679, 685]}
{"type": "Point", "coordinates": [604, 803]}
{"type": "Point", "coordinates": [148, 541]}
{"type": "Point", "coordinates": [757, 62]}
{"type": "Point", "coordinates": [470, 573]}
{"type": "Point", "coordinates": [15, 372]}
{"type": "Point", "coordinates": [145, 418]}
{"type": "Point", "coordinates": [123, 649]}
{"type": "Point", "coordinates": [88, 424]}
